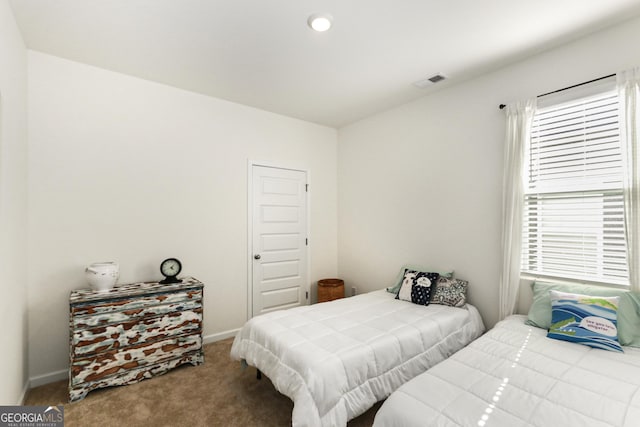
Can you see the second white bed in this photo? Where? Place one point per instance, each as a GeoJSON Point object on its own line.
{"type": "Point", "coordinates": [514, 376]}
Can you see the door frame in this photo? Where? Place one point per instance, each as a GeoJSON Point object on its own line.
{"type": "Point", "coordinates": [250, 252]}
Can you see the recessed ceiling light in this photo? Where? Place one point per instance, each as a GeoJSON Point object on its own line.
{"type": "Point", "coordinates": [320, 21]}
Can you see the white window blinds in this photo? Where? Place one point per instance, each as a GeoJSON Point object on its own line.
{"type": "Point", "coordinates": [573, 224]}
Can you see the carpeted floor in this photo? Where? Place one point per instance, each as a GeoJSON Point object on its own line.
{"type": "Point", "coordinates": [217, 393]}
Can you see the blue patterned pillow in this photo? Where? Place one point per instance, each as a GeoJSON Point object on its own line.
{"type": "Point", "coordinates": [585, 319]}
{"type": "Point", "coordinates": [416, 287]}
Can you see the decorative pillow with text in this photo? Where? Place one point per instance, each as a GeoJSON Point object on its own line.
{"type": "Point", "coordinates": [584, 319]}
{"type": "Point", "coordinates": [416, 287]}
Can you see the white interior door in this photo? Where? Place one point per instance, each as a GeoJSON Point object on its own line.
{"type": "Point", "coordinates": [279, 247]}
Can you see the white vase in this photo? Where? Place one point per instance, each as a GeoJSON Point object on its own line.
{"type": "Point", "coordinates": [102, 275]}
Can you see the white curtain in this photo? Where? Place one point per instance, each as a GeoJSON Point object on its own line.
{"type": "Point", "coordinates": [519, 119]}
{"type": "Point", "coordinates": [628, 83]}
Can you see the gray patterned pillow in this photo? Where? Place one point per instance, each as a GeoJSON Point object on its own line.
{"type": "Point", "coordinates": [452, 292]}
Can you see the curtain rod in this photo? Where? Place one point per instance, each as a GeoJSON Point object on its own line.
{"type": "Point", "coordinates": [502, 106]}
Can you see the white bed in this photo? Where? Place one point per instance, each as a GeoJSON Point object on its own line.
{"type": "Point", "coordinates": [515, 376]}
{"type": "Point", "coordinates": [335, 360]}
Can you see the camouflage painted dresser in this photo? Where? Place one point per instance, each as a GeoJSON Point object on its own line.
{"type": "Point", "coordinates": [132, 332]}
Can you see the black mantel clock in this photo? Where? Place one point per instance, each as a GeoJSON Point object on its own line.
{"type": "Point", "coordinates": [170, 268]}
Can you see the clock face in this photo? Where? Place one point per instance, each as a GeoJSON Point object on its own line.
{"type": "Point", "coordinates": [170, 267]}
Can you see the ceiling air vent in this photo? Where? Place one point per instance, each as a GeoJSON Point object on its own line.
{"type": "Point", "coordinates": [429, 81]}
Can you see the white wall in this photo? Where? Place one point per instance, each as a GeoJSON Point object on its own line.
{"type": "Point", "coordinates": [132, 171]}
{"type": "Point", "coordinates": [114, 161]}
{"type": "Point", "coordinates": [422, 183]}
{"type": "Point", "coordinates": [13, 209]}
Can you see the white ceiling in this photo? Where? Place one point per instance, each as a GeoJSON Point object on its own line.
{"type": "Point", "coordinates": [261, 52]}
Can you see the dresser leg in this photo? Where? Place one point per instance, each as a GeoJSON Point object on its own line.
{"type": "Point", "coordinates": [198, 359]}
{"type": "Point", "coordinates": [77, 394]}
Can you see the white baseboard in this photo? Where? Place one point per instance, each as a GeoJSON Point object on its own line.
{"type": "Point", "coordinates": [220, 336]}
{"type": "Point", "coordinates": [48, 378]}
{"type": "Point", "coordinates": [64, 374]}
{"type": "Point", "coordinates": [25, 389]}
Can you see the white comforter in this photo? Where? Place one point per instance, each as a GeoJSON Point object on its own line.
{"type": "Point", "coordinates": [336, 359]}
{"type": "Point", "coordinates": [515, 376]}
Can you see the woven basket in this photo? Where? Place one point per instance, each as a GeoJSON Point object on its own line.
{"type": "Point", "coordinates": [330, 289]}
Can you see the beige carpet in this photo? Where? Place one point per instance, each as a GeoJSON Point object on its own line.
{"type": "Point", "coordinates": [217, 393]}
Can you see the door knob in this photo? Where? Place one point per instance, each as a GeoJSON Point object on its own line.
{"type": "Point", "coordinates": [257, 256]}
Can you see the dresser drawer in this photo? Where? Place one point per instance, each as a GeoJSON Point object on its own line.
{"type": "Point", "coordinates": [129, 303]}
{"type": "Point", "coordinates": [121, 335]}
{"type": "Point", "coordinates": [116, 317]}
{"type": "Point", "coordinates": [132, 376]}
{"type": "Point", "coordinates": [99, 366]}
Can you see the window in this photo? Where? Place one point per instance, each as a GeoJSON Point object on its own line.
{"type": "Point", "coordinates": [573, 224]}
